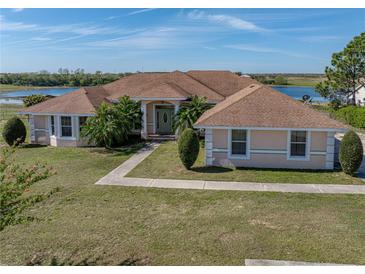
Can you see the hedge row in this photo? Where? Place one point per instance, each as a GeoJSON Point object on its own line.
{"type": "Point", "coordinates": [354, 116]}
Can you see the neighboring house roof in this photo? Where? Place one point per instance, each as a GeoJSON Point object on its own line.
{"type": "Point", "coordinates": [224, 82]}
{"type": "Point", "coordinates": [261, 106]}
{"type": "Point", "coordinates": [82, 101]}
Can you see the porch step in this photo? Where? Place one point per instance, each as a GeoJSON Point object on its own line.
{"type": "Point", "coordinates": [157, 137]}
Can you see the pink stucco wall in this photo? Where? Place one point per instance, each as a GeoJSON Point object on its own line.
{"type": "Point", "coordinates": [262, 141]}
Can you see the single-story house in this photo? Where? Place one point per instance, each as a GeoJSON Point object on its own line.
{"type": "Point", "coordinates": [250, 125]}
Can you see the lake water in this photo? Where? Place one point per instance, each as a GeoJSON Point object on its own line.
{"type": "Point", "coordinates": [298, 92]}
{"type": "Point", "coordinates": [15, 97]}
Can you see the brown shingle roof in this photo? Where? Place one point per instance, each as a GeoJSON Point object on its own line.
{"type": "Point", "coordinates": [82, 101]}
{"type": "Point", "coordinates": [158, 85]}
{"type": "Point", "coordinates": [261, 106]}
{"type": "Point", "coordinates": [224, 82]}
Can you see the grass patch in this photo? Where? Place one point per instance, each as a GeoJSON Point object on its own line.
{"type": "Point", "coordinates": [6, 88]}
{"type": "Point", "coordinates": [165, 163]}
{"type": "Point", "coordinates": [111, 225]}
{"type": "Point", "coordinates": [309, 81]}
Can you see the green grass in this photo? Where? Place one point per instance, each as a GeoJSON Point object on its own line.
{"type": "Point", "coordinates": [165, 163]}
{"type": "Point", "coordinates": [304, 81]}
{"type": "Point", "coordinates": [6, 88]}
{"type": "Point", "coordinates": [88, 224]}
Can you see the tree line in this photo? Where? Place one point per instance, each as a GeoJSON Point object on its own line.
{"type": "Point", "coordinates": [63, 77]}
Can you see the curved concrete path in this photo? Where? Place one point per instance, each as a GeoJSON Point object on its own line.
{"type": "Point", "coordinates": [117, 177]}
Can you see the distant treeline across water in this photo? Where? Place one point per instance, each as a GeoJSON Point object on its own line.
{"type": "Point", "coordinates": [63, 77]}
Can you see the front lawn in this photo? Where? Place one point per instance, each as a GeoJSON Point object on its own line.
{"type": "Point", "coordinates": [165, 163]}
{"type": "Point", "coordinates": [84, 223]}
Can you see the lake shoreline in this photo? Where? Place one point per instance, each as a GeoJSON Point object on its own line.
{"type": "Point", "coordinates": [16, 96]}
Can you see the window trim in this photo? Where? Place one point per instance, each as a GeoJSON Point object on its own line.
{"type": "Point", "coordinates": [246, 156]}
{"type": "Point", "coordinates": [306, 157]}
{"type": "Point", "coordinates": [54, 125]}
{"type": "Point", "coordinates": [71, 126]}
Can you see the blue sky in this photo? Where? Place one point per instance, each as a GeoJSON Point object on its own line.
{"type": "Point", "coordinates": [121, 40]}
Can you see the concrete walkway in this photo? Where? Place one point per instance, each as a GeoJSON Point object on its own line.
{"type": "Point", "coordinates": [117, 177]}
{"type": "Point", "coordinates": [260, 262]}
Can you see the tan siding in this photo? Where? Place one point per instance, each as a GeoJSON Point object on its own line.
{"type": "Point", "coordinates": [220, 138]}
{"type": "Point", "coordinates": [269, 139]}
{"type": "Point", "coordinates": [270, 161]}
{"type": "Point", "coordinates": [318, 141]}
{"type": "Point", "coordinates": [40, 122]}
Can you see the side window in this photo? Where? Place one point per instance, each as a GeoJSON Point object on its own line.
{"type": "Point", "coordinates": [239, 142]}
{"type": "Point", "coordinates": [53, 129]}
{"type": "Point", "coordinates": [82, 121]}
{"type": "Point", "coordinates": [66, 126]}
{"type": "Point", "coordinates": [298, 143]}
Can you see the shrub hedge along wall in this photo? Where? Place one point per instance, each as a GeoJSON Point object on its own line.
{"type": "Point", "coordinates": [188, 147]}
{"type": "Point", "coordinates": [351, 153]}
{"type": "Point", "coordinates": [14, 131]}
{"type": "Point", "coordinates": [354, 116]}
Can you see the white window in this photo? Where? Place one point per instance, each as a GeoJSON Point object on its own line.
{"type": "Point", "coordinates": [298, 143]}
{"type": "Point", "coordinates": [238, 142]}
{"type": "Point", "coordinates": [66, 126]}
{"type": "Point", "coordinates": [53, 129]}
{"type": "Point", "coordinates": [82, 121]}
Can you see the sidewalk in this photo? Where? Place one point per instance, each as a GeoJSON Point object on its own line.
{"type": "Point", "coordinates": [117, 177]}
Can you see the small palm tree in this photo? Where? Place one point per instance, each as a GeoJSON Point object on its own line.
{"type": "Point", "coordinates": [113, 123]}
{"type": "Point", "coordinates": [188, 114]}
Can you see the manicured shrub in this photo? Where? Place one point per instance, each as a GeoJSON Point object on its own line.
{"type": "Point", "coordinates": [354, 116]}
{"type": "Point", "coordinates": [351, 153]}
{"type": "Point", "coordinates": [34, 99]}
{"type": "Point", "coordinates": [188, 147]}
{"type": "Point", "coordinates": [14, 131]}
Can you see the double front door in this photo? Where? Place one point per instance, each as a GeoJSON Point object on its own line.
{"type": "Point", "coordinates": [164, 119]}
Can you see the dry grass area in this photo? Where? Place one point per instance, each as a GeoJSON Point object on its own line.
{"type": "Point", "coordinates": [84, 223]}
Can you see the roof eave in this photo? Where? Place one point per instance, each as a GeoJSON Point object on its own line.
{"type": "Point", "coordinates": [269, 128]}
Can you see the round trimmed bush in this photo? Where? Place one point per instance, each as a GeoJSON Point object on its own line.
{"type": "Point", "coordinates": [188, 147]}
{"type": "Point", "coordinates": [14, 131]}
{"type": "Point", "coordinates": [351, 153]}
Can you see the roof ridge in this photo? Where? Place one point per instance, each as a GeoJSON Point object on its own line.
{"type": "Point", "coordinates": [176, 87]}
{"type": "Point", "coordinates": [297, 102]}
{"type": "Point", "coordinates": [187, 74]}
{"type": "Point", "coordinates": [225, 103]}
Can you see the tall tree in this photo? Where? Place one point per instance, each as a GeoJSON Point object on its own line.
{"type": "Point", "coordinates": [346, 75]}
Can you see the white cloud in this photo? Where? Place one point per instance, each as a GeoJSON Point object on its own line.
{"type": "Point", "coordinates": [261, 49]}
{"type": "Point", "coordinates": [140, 11]}
{"type": "Point", "coordinates": [79, 29]}
{"type": "Point", "coordinates": [252, 48]}
{"type": "Point", "coordinates": [17, 10]}
{"type": "Point", "coordinates": [319, 38]}
{"type": "Point", "coordinates": [151, 39]}
{"type": "Point", "coordinates": [231, 21]}
{"type": "Point", "coordinates": [41, 39]}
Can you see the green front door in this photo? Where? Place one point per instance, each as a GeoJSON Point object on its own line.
{"type": "Point", "coordinates": [164, 118]}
